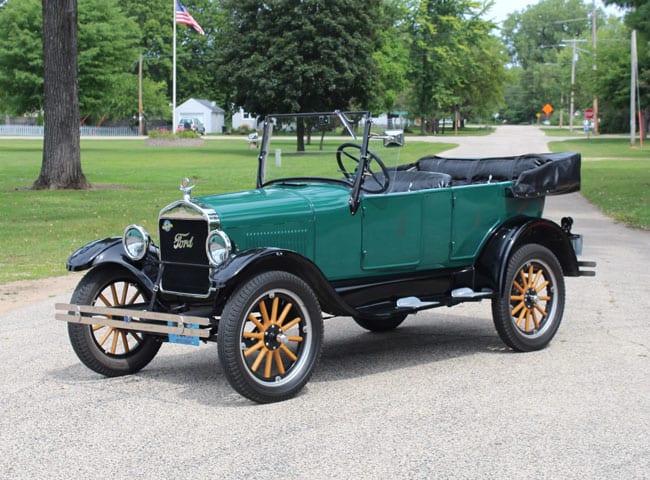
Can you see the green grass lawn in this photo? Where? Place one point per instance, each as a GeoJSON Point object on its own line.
{"type": "Point", "coordinates": [615, 177]}
{"type": "Point", "coordinates": [131, 181]}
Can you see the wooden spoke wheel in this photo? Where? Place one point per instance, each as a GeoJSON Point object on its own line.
{"type": "Point", "coordinates": [270, 336]}
{"type": "Point", "coordinates": [108, 350]}
{"type": "Point", "coordinates": [528, 312]}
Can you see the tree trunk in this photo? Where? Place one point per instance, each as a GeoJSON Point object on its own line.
{"type": "Point", "coordinates": [61, 167]}
{"type": "Point", "coordinates": [300, 133]}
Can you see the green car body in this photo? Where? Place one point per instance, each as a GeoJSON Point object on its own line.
{"type": "Point", "coordinates": [397, 233]}
{"type": "Point", "coordinates": [253, 270]}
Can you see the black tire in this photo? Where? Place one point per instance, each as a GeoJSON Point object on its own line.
{"type": "Point", "coordinates": [528, 312]}
{"type": "Point", "coordinates": [106, 350]}
{"type": "Point", "coordinates": [264, 358]}
{"type": "Point", "coordinates": [381, 324]}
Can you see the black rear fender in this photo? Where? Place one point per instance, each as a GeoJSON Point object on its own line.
{"type": "Point", "coordinates": [493, 259]}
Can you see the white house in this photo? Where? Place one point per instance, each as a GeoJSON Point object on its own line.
{"type": "Point", "coordinates": [211, 116]}
{"type": "Point", "coordinates": [241, 118]}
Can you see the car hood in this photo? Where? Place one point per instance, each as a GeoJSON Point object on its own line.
{"type": "Point", "coordinates": [277, 216]}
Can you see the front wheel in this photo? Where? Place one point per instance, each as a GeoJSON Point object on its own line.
{"type": "Point", "coordinates": [529, 311]}
{"type": "Point", "coordinates": [270, 335]}
{"type": "Point", "coordinates": [107, 350]}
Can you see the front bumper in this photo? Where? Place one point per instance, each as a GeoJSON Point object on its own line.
{"type": "Point", "coordinates": [136, 320]}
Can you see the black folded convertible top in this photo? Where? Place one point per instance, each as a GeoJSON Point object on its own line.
{"type": "Point", "coordinates": [534, 175]}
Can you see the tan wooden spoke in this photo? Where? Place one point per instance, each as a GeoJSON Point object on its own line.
{"type": "Point", "coordinates": [114, 340]}
{"type": "Point", "coordinates": [271, 318]}
{"type": "Point", "coordinates": [528, 290]}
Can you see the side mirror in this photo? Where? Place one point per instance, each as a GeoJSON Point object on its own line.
{"type": "Point", "coordinates": [393, 138]}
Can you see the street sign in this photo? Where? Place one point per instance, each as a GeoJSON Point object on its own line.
{"type": "Point", "coordinates": [589, 113]}
{"type": "Point", "coordinates": [547, 109]}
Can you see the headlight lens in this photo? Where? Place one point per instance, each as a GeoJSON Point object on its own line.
{"type": "Point", "coordinates": [135, 241]}
{"type": "Point", "coordinates": [218, 247]}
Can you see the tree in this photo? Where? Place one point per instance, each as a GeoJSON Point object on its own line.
{"type": "Point", "coordinates": [392, 56]}
{"type": "Point", "coordinates": [273, 63]}
{"type": "Point", "coordinates": [196, 70]}
{"type": "Point", "coordinates": [21, 67]}
{"type": "Point", "coordinates": [61, 167]}
{"type": "Point", "coordinates": [638, 15]}
{"type": "Point", "coordinates": [613, 82]}
{"type": "Point", "coordinates": [536, 39]}
{"type": "Point", "coordinates": [455, 62]}
{"type": "Point", "coordinates": [107, 42]}
{"type": "Point", "coordinates": [638, 18]}
{"type": "Point", "coordinates": [107, 48]}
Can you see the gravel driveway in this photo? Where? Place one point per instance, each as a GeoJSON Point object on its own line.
{"type": "Point", "coordinates": [440, 397]}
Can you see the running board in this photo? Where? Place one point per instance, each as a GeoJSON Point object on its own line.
{"type": "Point", "coordinates": [468, 293]}
{"type": "Point", "coordinates": [137, 320]}
{"type": "Point", "coordinates": [414, 303]}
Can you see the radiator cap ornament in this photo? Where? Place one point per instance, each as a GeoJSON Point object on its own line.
{"type": "Point", "coordinates": [186, 188]}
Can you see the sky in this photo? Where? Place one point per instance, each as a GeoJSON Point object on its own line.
{"type": "Point", "coordinates": [502, 8]}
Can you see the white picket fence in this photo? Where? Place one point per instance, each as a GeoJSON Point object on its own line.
{"type": "Point", "coordinates": [37, 131]}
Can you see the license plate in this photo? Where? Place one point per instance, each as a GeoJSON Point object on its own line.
{"type": "Point", "coordinates": [184, 339]}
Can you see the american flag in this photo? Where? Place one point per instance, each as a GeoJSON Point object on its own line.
{"type": "Point", "coordinates": [183, 16]}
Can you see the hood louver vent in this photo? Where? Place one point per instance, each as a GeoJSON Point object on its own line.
{"type": "Point", "coordinates": [291, 239]}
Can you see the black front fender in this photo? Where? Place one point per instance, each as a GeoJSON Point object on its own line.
{"type": "Point", "coordinates": [492, 262]}
{"type": "Point", "coordinates": [243, 266]}
{"type": "Point", "coordinates": [109, 251]}
{"type": "Point", "coordinates": [92, 253]}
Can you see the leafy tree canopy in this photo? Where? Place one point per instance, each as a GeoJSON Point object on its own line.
{"type": "Point", "coordinates": [638, 16]}
{"type": "Point", "coordinates": [270, 61]}
{"type": "Point", "coordinates": [540, 41]}
{"type": "Point", "coordinates": [455, 61]}
{"type": "Point", "coordinates": [106, 41]}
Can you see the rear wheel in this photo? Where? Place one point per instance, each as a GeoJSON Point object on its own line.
{"type": "Point", "coordinates": [528, 312]}
{"type": "Point", "coordinates": [108, 350]}
{"type": "Point", "coordinates": [270, 336]}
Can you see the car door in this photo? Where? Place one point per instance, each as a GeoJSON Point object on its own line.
{"type": "Point", "coordinates": [406, 231]}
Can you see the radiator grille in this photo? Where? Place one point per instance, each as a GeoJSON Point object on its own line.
{"type": "Point", "coordinates": [182, 251]}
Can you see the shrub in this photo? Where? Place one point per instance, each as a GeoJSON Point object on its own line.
{"type": "Point", "coordinates": [167, 135]}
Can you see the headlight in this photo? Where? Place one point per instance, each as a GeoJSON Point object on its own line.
{"type": "Point", "coordinates": [135, 241]}
{"type": "Point", "coordinates": [218, 247]}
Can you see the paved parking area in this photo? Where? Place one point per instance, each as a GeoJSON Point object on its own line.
{"type": "Point", "coordinates": [440, 397]}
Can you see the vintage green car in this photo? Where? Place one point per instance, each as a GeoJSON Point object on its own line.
{"type": "Point", "coordinates": [339, 224]}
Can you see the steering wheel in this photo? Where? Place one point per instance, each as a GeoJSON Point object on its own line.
{"type": "Point", "coordinates": [344, 150]}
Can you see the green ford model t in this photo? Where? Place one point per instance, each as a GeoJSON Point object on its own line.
{"type": "Point", "coordinates": [340, 223]}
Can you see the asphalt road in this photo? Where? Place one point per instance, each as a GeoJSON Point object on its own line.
{"type": "Point", "coordinates": [440, 397]}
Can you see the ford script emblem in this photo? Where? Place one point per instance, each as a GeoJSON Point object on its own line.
{"type": "Point", "coordinates": [167, 226]}
{"type": "Point", "coordinates": [183, 240]}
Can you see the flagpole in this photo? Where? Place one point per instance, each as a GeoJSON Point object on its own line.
{"type": "Point", "coordinates": [174, 71]}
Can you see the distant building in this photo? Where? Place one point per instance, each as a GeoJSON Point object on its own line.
{"type": "Point", "coordinates": [211, 116]}
{"type": "Point", "coordinates": [243, 119]}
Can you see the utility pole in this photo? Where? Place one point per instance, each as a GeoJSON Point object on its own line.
{"type": "Point", "coordinates": [594, 36]}
{"type": "Point", "coordinates": [633, 91]}
{"type": "Point", "coordinates": [140, 130]}
{"type": "Point", "coordinates": [574, 59]}
{"type": "Point", "coordinates": [574, 56]}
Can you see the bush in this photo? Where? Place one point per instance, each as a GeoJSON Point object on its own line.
{"type": "Point", "coordinates": [244, 129]}
{"type": "Point", "coordinates": [167, 135]}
